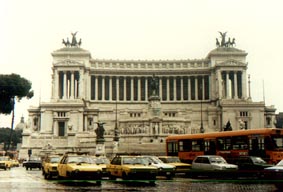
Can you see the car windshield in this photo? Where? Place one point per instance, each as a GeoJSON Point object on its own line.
{"type": "Point", "coordinates": [4, 158]}
{"type": "Point", "coordinates": [135, 160]}
{"type": "Point", "coordinates": [101, 161]}
{"type": "Point", "coordinates": [54, 159]}
{"type": "Point", "coordinates": [34, 159]}
{"type": "Point", "coordinates": [156, 159]}
{"type": "Point", "coordinates": [258, 160]}
{"type": "Point", "coordinates": [173, 160]}
{"type": "Point", "coordinates": [280, 164]}
{"type": "Point", "coordinates": [80, 159]}
{"type": "Point", "coordinates": [217, 160]}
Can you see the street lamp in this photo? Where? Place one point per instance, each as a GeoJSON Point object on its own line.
{"type": "Point", "coordinates": [116, 130]}
{"type": "Point", "coordinates": [201, 123]}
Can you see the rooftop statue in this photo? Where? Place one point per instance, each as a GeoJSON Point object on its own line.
{"type": "Point", "coordinates": [74, 42]}
{"type": "Point", "coordinates": [224, 43]}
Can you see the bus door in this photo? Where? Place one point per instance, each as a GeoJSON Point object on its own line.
{"type": "Point", "coordinates": [210, 147]}
{"type": "Point", "coordinates": [256, 146]}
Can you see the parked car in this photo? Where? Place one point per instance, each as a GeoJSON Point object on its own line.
{"type": "Point", "coordinates": [212, 166]}
{"type": "Point", "coordinates": [274, 172]}
{"type": "Point", "coordinates": [50, 165]}
{"type": "Point", "coordinates": [130, 167]}
{"type": "Point", "coordinates": [102, 161]}
{"type": "Point", "coordinates": [79, 166]}
{"type": "Point", "coordinates": [251, 166]}
{"type": "Point", "coordinates": [15, 163]}
{"type": "Point", "coordinates": [33, 162]}
{"type": "Point", "coordinates": [5, 162]}
{"type": "Point", "coordinates": [164, 169]}
{"type": "Point", "coordinates": [175, 161]}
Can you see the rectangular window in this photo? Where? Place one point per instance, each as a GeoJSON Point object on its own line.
{"type": "Point", "coordinates": [240, 142]}
{"type": "Point", "coordinates": [172, 148]}
{"type": "Point", "coordinates": [224, 144]}
{"type": "Point", "coordinates": [197, 145]}
{"type": "Point", "coordinates": [61, 128]}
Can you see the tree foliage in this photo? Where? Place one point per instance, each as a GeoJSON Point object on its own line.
{"type": "Point", "coordinates": [5, 134]}
{"type": "Point", "coordinates": [12, 87]}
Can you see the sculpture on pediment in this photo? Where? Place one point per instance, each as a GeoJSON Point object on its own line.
{"type": "Point", "coordinates": [74, 42]}
{"type": "Point", "coordinates": [224, 43]}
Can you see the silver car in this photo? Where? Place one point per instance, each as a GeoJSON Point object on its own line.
{"type": "Point", "coordinates": [212, 162]}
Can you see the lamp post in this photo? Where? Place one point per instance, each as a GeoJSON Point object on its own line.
{"type": "Point", "coordinates": [201, 123]}
{"type": "Point", "coordinates": [116, 130]}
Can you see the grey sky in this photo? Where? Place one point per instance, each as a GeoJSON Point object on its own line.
{"type": "Point", "coordinates": [140, 29]}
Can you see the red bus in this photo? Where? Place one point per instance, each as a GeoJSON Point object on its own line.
{"type": "Point", "coordinates": [266, 143]}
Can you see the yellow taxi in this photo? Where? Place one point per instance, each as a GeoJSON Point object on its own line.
{"type": "Point", "coordinates": [180, 166]}
{"type": "Point", "coordinates": [5, 162]}
{"type": "Point", "coordinates": [79, 166]}
{"type": "Point", "coordinates": [49, 166]}
{"type": "Point", "coordinates": [15, 163]}
{"type": "Point", "coordinates": [130, 167]}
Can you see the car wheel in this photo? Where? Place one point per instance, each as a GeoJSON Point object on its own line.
{"type": "Point", "coordinates": [112, 177]}
{"type": "Point", "coordinates": [45, 175]}
{"type": "Point", "coordinates": [124, 176]}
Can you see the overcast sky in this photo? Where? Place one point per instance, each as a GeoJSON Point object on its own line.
{"type": "Point", "coordinates": [140, 29]}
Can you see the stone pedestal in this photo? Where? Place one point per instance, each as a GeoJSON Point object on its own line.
{"type": "Point", "coordinates": [154, 106]}
{"type": "Point", "coordinates": [115, 147]}
{"type": "Point", "coordinates": [100, 149]}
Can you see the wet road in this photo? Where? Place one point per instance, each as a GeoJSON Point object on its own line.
{"type": "Point", "coordinates": [19, 180]}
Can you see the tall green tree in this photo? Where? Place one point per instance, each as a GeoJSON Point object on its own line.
{"type": "Point", "coordinates": [13, 87]}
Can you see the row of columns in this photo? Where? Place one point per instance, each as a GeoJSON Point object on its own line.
{"type": "Point", "coordinates": [231, 84]}
{"type": "Point", "coordinates": [138, 87]}
{"type": "Point", "coordinates": [67, 84]}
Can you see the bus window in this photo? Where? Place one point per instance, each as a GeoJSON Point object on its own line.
{"type": "Point", "coordinates": [256, 146]}
{"type": "Point", "coordinates": [224, 143]}
{"type": "Point", "coordinates": [197, 145]}
{"type": "Point", "coordinates": [240, 142]}
{"type": "Point", "coordinates": [185, 145]}
{"type": "Point", "coordinates": [172, 148]}
{"type": "Point", "coordinates": [277, 141]}
{"type": "Point", "coordinates": [209, 147]}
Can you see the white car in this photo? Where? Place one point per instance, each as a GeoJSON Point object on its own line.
{"type": "Point", "coordinates": [274, 172]}
{"type": "Point", "coordinates": [164, 169]}
{"type": "Point", "coordinates": [212, 162]}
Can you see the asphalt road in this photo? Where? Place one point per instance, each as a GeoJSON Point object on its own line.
{"type": "Point", "coordinates": [20, 180]}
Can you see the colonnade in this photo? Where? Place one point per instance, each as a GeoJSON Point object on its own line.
{"type": "Point", "coordinates": [67, 84]}
{"type": "Point", "coordinates": [232, 84]}
{"type": "Point", "coordinates": [229, 84]}
{"type": "Point", "coordinates": [137, 88]}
